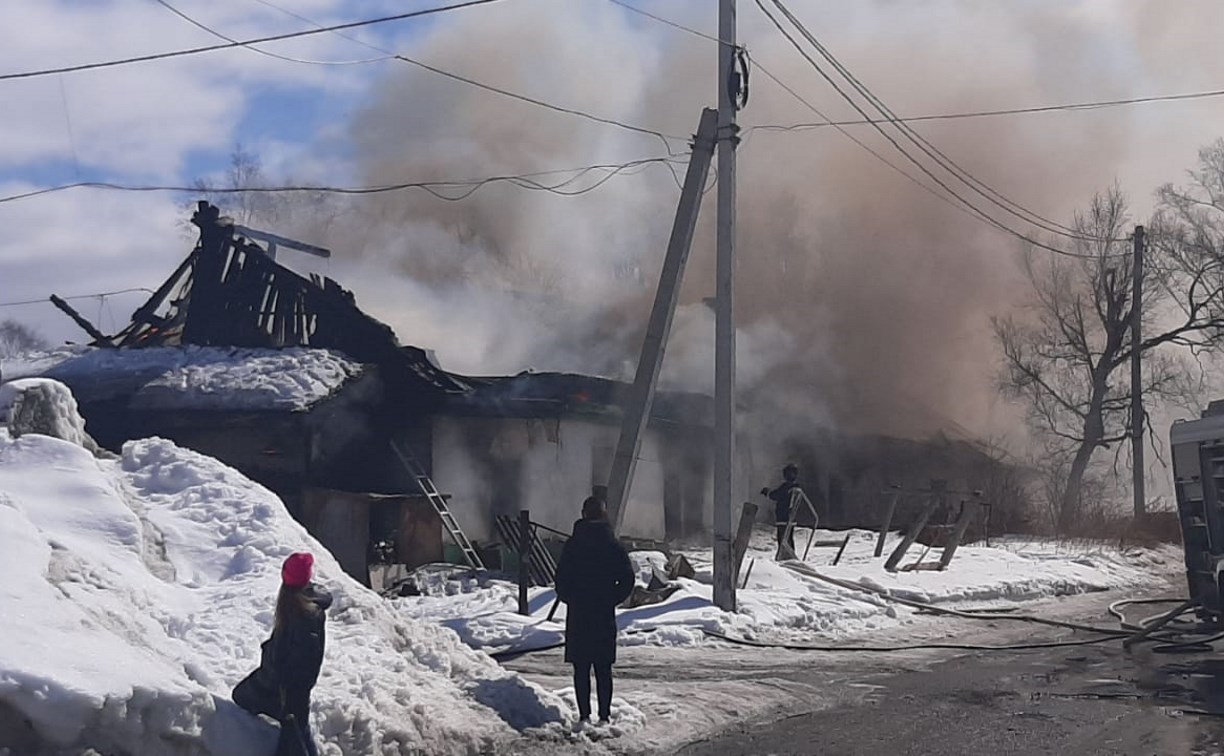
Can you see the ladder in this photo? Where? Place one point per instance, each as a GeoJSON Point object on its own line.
{"type": "Point", "coordinates": [438, 501]}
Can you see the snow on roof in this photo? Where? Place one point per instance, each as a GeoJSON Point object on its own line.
{"type": "Point", "coordinates": [193, 377]}
{"type": "Point", "coordinates": [137, 591]}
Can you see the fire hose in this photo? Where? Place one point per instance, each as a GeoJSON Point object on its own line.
{"type": "Point", "coordinates": [1170, 633]}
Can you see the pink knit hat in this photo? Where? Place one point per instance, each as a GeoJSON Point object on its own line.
{"type": "Point", "coordinates": [297, 570]}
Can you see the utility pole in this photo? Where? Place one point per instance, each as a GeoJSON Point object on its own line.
{"type": "Point", "coordinates": [1137, 375]}
{"type": "Point", "coordinates": [641, 393]}
{"type": "Point", "coordinates": [724, 313]}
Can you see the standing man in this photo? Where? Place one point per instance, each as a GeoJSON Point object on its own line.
{"type": "Point", "coordinates": [593, 576]}
{"type": "Point", "coordinates": [782, 497]}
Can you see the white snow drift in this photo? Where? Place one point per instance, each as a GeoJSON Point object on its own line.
{"type": "Point", "coordinates": [136, 592]}
{"type": "Point", "coordinates": [779, 604]}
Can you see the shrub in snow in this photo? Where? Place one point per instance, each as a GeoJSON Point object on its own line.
{"type": "Point", "coordinates": [136, 593]}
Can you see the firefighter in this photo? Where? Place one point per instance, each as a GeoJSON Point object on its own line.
{"type": "Point", "coordinates": [781, 497]}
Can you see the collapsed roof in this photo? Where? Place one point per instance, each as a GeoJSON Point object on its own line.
{"type": "Point", "coordinates": [231, 293]}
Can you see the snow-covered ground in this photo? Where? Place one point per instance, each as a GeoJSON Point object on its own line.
{"type": "Point", "coordinates": [783, 605]}
{"type": "Point", "coordinates": [137, 589]}
{"type": "Point", "coordinates": [136, 592]}
{"type": "Point", "coordinates": [194, 377]}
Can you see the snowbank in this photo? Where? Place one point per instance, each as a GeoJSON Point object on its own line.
{"type": "Point", "coordinates": [783, 605]}
{"type": "Point", "coordinates": [193, 377]}
{"type": "Point", "coordinates": [136, 592]}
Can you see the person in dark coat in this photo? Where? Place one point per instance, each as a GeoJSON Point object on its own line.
{"type": "Point", "coordinates": [298, 639]}
{"type": "Point", "coordinates": [781, 497]}
{"type": "Point", "coordinates": [593, 576]}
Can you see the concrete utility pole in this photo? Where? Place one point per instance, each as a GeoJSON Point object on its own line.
{"type": "Point", "coordinates": [641, 394]}
{"type": "Point", "coordinates": [724, 300]}
{"type": "Point", "coordinates": [1137, 375]}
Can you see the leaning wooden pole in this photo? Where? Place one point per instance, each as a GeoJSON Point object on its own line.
{"type": "Point", "coordinates": [641, 393]}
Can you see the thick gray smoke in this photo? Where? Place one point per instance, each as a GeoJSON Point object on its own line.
{"type": "Point", "coordinates": [863, 301]}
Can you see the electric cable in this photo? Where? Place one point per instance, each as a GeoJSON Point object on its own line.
{"type": "Point", "coordinates": [669, 22]}
{"type": "Point", "coordinates": [933, 152]}
{"type": "Point", "coordinates": [874, 153]}
{"type": "Point", "coordinates": [960, 115]}
{"type": "Point", "coordinates": [45, 300]}
{"type": "Point", "coordinates": [436, 188]}
{"type": "Point", "coordinates": [977, 212]}
{"type": "Point", "coordinates": [840, 126]}
{"type": "Point", "coordinates": [1063, 107]}
{"type": "Point", "coordinates": [203, 27]}
{"type": "Point", "coordinates": [390, 54]}
{"type": "Point", "coordinates": [757, 63]}
{"type": "Point", "coordinates": [243, 43]}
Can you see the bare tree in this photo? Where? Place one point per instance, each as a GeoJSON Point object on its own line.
{"type": "Point", "coordinates": [245, 171]}
{"type": "Point", "coordinates": [1067, 357]}
{"type": "Point", "coordinates": [17, 338]}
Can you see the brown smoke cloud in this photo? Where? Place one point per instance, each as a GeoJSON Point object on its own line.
{"type": "Point", "coordinates": [863, 301]}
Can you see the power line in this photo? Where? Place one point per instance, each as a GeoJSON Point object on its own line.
{"type": "Point", "coordinates": [977, 212]}
{"type": "Point", "coordinates": [1027, 110]}
{"type": "Point", "coordinates": [827, 121]}
{"type": "Point", "coordinates": [243, 43]}
{"type": "Point", "coordinates": [669, 22]}
{"type": "Point", "coordinates": [840, 124]}
{"type": "Point", "coordinates": [794, 94]}
{"type": "Point", "coordinates": [392, 55]}
{"type": "Point", "coordinates": [209, 30]}
{"type": "Point", "coordinates": [99, 295]}
{"type": "Point", "coordinates": [436, 188]}
{"type": "Point", "coordinates": [931, 151]}
{"type": "Point", "coordinates": [918, 182]}
{"type": "Point", "coordinates": [1068, 107]}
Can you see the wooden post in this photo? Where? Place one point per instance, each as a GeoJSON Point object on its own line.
{"type": "Point", "coordinates": [1136, 397]}
{"type": "Point", "coordinates": [815, 523]}
{"type": "Point", "coordinates": [884, 526]}
{"type": "Point", "coordinates": [742, 535]}
{"type": "Point", "coordinates": [962, 524]}
{"type": "Point", "coordinates": [748, 574]}
{"type": "Point", "coordinates": [837, 558]}
{"type": "Point", "coordinates": [524, 574]}
{"type": "Point", "coordinates": [899, 553]}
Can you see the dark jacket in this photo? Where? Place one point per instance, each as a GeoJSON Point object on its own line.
{"type": "Point", "coordinates": [297, 647]}
{"type": "Point", "coordinates": [593, 576]}
{"type": "Point", "coordinates": [781, 497]}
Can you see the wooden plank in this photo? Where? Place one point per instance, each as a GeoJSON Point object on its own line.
{"type": "Point", "coordinates": [840, 551]}
{"type": "Point", "coordinates": [962, 524]}
{"type": "Point", "coordinates": [887, 523]}
{"type": "Point", "coordinates": [99, 338]}
{"type": "Point", "coordinates": [912, 535]}
{"type": "Point", "coordinates": [743, 534]}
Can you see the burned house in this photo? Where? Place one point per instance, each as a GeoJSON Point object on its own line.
{"type": "Point", "coordinates": [286, 379]}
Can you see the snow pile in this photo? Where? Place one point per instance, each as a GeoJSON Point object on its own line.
{"type": "Point", "coordinates": [136, 592]}
{"type": "Point", "coordinates": [193, 377]}
{"type": "Point", "coordinates": [39, 405]}
{"type": "Point", "coordinates": [778, 603]}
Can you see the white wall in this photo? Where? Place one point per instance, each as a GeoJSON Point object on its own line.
{"type": "Point", "coordinates": [555, 471]}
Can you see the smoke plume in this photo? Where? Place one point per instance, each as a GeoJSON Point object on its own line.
{"type": "Point", "coordinates": [863, 301]}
